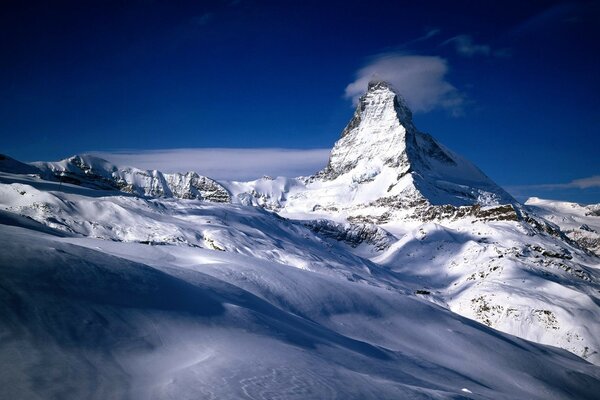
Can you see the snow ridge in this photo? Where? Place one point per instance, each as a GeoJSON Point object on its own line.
{"type": "Point", "coordinates": [97, 173]}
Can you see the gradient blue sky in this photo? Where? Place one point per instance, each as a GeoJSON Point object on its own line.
{"type": "Point", "coordinates": [513, 86]}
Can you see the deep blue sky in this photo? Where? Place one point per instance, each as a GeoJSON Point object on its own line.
{"type": "Point", "coordinates": [101, 75]}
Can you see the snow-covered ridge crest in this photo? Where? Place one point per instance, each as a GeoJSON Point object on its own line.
{"type": "Point", "coordinates": [97, 173]}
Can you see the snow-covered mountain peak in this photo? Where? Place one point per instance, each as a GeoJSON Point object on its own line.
{"type": "Point", "coordinates": [382, 159]}
{"type": "Point", "coordinates": [375, 136]}
{"type": "Point", "coordinates": [379, 91]}
{"type": "Point", "coordinates": [383, 169]}
{"type": "Point", "coordinates": [97, 173]}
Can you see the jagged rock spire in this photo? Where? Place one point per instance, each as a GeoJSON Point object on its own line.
{"type": "Point", "coordinates": [376, 134]}
{"type": "Point", "coordinates": [381, 147]}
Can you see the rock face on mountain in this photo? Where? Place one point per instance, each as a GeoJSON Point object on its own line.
{"type": "Point", "coordinates": [382, 168]}
{"type": "Point", "coordinates": [96, 173]}
{"type": "Point", "coordinates": [381, 143]}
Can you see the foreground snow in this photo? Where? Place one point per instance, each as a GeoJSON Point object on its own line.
{"type": "Point", "coordinates": [280, 313]}
{"type": "Point", "coordinates": [85, 317]}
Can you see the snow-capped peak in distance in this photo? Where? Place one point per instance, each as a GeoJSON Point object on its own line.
{"type": "Point", "coordinates": [383, 168]}
{"type": "Point", "coordinates": [97, 173]}
{"type": "Point", "coordinates": [381, 135]}
{"type": "Point", "coordinates": [376, 134]}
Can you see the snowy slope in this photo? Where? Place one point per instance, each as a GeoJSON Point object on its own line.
{"type": "Point", "coordinates": [504, 274]}
{"type": "Point", "coordinates": [351, 283]}
{"type": "Point", "coordinates": [448, 226]}
{"type": "Point", "coordinates": [8, 164]}
{"type": "Point", "coordinates": [580, 223]}
{"type": "Point", "coordinates": [247, 305]}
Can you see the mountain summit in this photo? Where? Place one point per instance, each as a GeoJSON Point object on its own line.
{"type": "Point", "coordinates": [376, 134]}
{"type": "Point", "coordinates": [383, 168]}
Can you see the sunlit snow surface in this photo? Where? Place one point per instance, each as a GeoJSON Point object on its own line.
{"type": "Point", "coordinates": [107, 295]}
{"type": "Point", "coordinates": [399, 271]}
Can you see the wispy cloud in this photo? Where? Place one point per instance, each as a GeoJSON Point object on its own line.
{"type": "Point", "coordinates": [581, 185]}
{"type": "Point", "coordinates": [203, 19]}
{"type": "Point", "coordinates": [421, 80]}
{"type": "Point", "coordinates": [429, 33]}
{"type": "Point", "coordinates": [556, 15]}
{"type": "Point", "coordinates": [466, 46]}
{"type": "Point", "coordinates": [224, 163]}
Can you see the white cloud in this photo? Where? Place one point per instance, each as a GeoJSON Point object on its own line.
{"type": "Point", "coordinates": [421, 80]}
{"type": "Point", "coordinates": [465, 46]}
{"type": "Point", "coordinates": [522, 192]}
{"type": "Point", "coordinates": [582, 183]}
{"type": "Point", "coordinates": [428, 35]}
{"type": "Point", "coordinates": [224, 163]}
{"type": "Point", "coordinates": [585, 183]}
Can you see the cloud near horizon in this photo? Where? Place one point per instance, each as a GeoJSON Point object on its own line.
{"type": "Point", "coordinates": [582, 183]}
{"type": "Point", "coordinates": [421, 80]}
{"type": "Point", "coordinates": [561, 191]}
{"type": "Point", "coordinates": [224, 163]}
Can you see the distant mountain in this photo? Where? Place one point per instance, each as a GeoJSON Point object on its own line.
{"type": "Point", "coordinates": [581, 223]}
{"type": "Point", "coordinates": [94, 172]}
{"type": "Point", "coordinates": [381, 149]}
{"type": "Point", "coordinates": [9, 164]}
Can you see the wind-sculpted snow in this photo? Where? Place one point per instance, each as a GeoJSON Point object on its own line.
{"type": "Point", "coordinates": [89, 318]}
{"type": "Point", "coordinates": [231, 228]}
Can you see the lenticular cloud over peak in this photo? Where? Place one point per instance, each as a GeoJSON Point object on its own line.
{"type": "Point", "coordinates": [421, 80]}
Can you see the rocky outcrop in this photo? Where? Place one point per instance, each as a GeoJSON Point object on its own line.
{"type": "Point", "coordinates": [353, 234]}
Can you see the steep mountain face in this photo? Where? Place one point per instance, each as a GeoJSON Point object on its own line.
{"type": "Point", "coordinates": [96, 173]}
{"type": "Point", "coordinates": [382, 168]}
{"type": "Point", "coordinates": [381, 139]}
